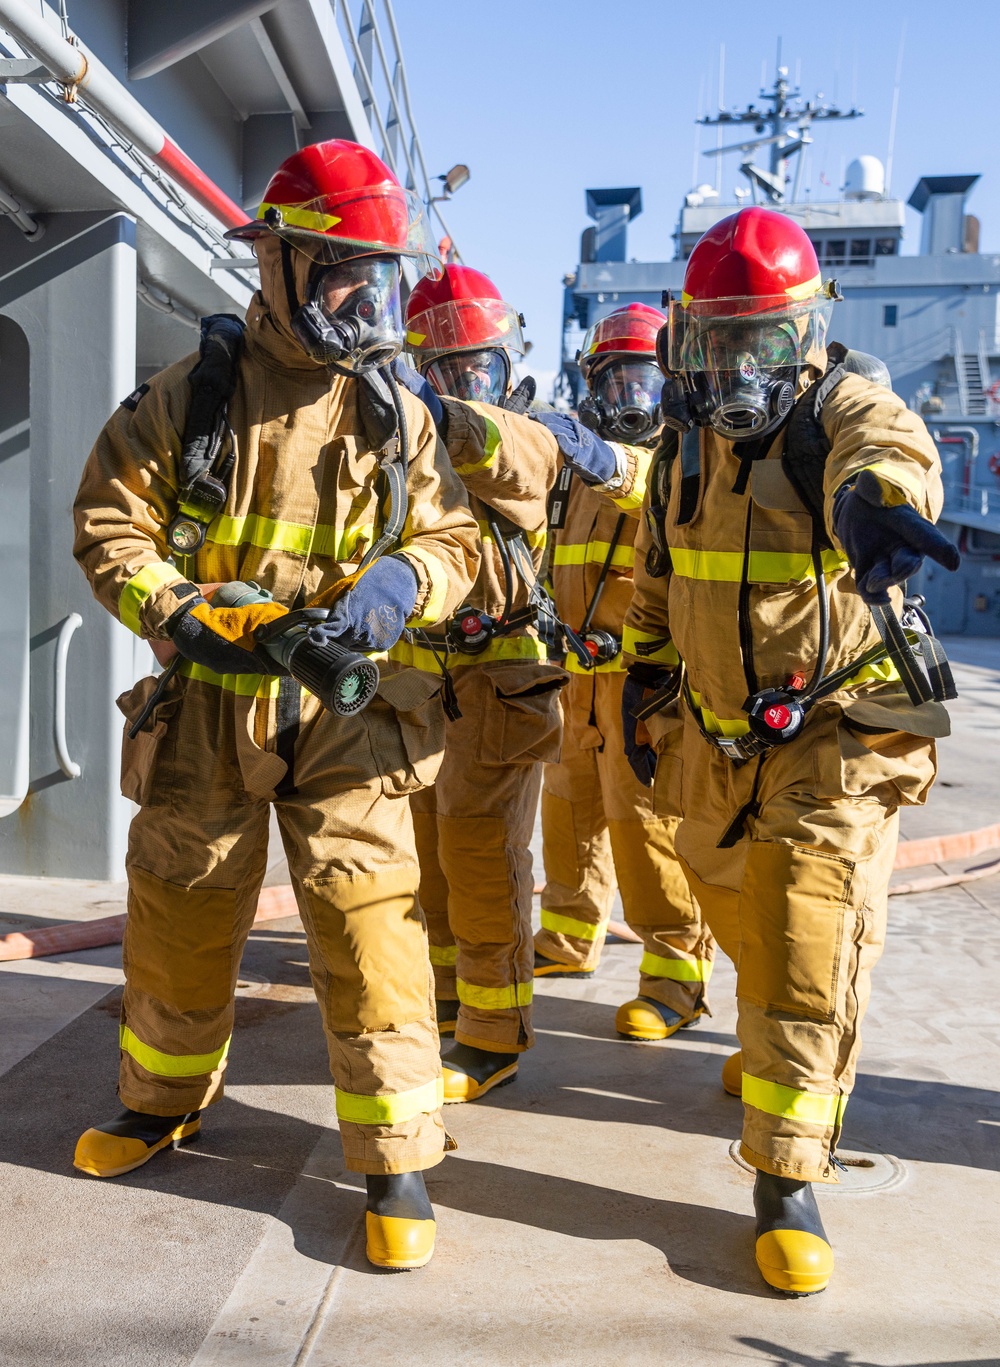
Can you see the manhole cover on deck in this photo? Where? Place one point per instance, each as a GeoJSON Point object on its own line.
{"type": "Point", "coordinates": [866, 1172]}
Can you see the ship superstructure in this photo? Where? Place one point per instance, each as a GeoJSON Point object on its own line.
{"type": "Point", "coordinates": [932, 317]}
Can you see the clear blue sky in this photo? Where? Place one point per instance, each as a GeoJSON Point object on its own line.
{"type": "Point", "coordinates": [543, 98]}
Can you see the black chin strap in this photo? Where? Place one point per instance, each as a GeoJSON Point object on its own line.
{"type": "Point", "coordinates": [288, 274]}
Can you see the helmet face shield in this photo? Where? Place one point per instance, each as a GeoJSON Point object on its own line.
{"type": "Point", "coordinates": [714, 334]}
{"type": "Point", "coordinates": [356, 222]}
{"type": "Point", "coordinates": [631, 330]}
{"type": "Point", "coordinates": [353, 319]}
{"type": "Point", "coordinates": [481, 376]}
{"type": "Point", "coordinates": [744, 355]}
{"type": "Point", "coordinates": [459, 324]}
{"type": "Point", "coordinates": [625, 398]}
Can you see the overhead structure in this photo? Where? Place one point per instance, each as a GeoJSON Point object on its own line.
{"type": "Point", "coordinates": [783, 124]}
{"type": "Point", "coordinates": [131, 137]}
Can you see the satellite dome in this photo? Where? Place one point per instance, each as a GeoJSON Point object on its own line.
{"type": "Point", "coordinates": [865, 179]}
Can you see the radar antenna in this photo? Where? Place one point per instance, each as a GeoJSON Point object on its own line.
{"type": "Point", "coordinates": [784, 127]}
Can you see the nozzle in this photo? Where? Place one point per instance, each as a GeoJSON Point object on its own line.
{"type": "Point", "coordinates": [344, 681]}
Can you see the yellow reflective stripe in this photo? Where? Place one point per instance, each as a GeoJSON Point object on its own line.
{"type": "Point", "coordinates": [680, 970]}
{"type": "Point", "coordinates": [777, 567]}
{"type": "Point", "coordinates": [593, 553]}
{"type": "Point", "coordinates": [415, 657]}
{"type": "Point", "coordinates": [392, 1108]}
{"type": "Point", "coordinates": [718, 726]}
{"type": "Point", "coordinates": [245, 685]}
{"type": "Point", "coordinates": [665, 654]}
{"type": "Point", "coordinates": [437, 577]}
{"type": "Point", "coordinates": [491, 446]}
{"type": "Point", "coordinates": [415, 338]}
{"type": "Point", "coordinates": [573, 666]}
{"type": "Point", "coordinates": [502, 648]}
{"type": "Point", "coordinates": [170, 1065]}
{"type": "Point", "coordinates": [265, 532]}
{"type": "Point", "coordinates": [536, 539]}
{"type": "Point", "coordinates": [806, 290]}
{"type": "Point", "coordinates": [142, 584]}
{"type": "Point", "coordinates": [813, 1108]}
{"type": "Point", "coordinates": [494, 998]}
{"type": "Point", "coordinates": [302, 218]}
{"type": "Point", "coordinates": [569, 925]}
{"type": "Point", "coordinates": [444, 956]}
{"type": "Point", "coordinates": [882, 671]}
{"type": "Point", "coordinates": [268, 533]}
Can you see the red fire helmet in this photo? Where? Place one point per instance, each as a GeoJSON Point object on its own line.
{"type": "Point", "coordinates": [629, 330]}
{"type": "Point", "coordinates": [460, 310]}
{"type": "Point", "coordinates": [337, 200]}
{"type": "Point", "coordinates": [756, 259]}
{"type": "Point", "coordinates": [755, 262]}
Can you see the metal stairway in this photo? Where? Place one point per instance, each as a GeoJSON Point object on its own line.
{"type": "Point", "coordinates": [973, 376]}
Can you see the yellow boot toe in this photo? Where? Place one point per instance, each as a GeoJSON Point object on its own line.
{"type": "Point", "coordinates": [794, 1261]}
{"type": "Point", "coordinates": [732, 1074]}
{"type": "Point", "coordinates": [397, 1243]}
{"type": "Point", "coordinates": [640, 1019]}
{"type": "Point", "coordinates": [108, 1155]}
{"type": "Point", "coordinates": [461, 1087]}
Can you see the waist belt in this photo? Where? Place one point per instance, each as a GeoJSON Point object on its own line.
{"type": "Point", "coordinates": [910, 644]}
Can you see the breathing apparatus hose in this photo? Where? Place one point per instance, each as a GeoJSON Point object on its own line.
{"type": "Point", "coordinates": [823, 601]}
{"type": "Point", "coordinates": [503, 550]}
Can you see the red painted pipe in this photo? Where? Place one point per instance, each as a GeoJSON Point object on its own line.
{"type": "Point", "coordinates": [82, 73]}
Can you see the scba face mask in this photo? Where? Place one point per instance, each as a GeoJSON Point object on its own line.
{"type": "Point", "coordinates": [624, 400]}
{"type": "Point", "coordinates": [747, 401]}
{"type": "Point", "coordinates": [739, 360]}
{"type": "Point", "coordinates": [476, 376]}
{"type": "Point", "coordinates": [352, 320]}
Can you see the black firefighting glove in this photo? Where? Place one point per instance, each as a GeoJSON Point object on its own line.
{"type": "Point", "coordinates": [885, 545]}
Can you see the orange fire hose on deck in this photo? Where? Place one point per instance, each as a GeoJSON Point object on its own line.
{"type": "Point", "coordinates": [278, 902]}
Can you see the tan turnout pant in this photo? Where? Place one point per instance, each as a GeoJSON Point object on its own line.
{"type": "Point", "coordinates": [799, 903]}
{"type": "Point", "coordinates": [197, 856]}
{"type": "Point", "coordinates": [599, 827]}
{"type": "Point", "coordinates": [473, 833]}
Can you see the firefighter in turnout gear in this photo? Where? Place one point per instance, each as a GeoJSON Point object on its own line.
{"type": "Point", "coordinates": [783, 511]}
{"type": "Point", "coordinates": [599, 823]}
{"type": "Point", "coordinates": [328, 494]}
{"type": "Point", "coordinates": [474, 827]}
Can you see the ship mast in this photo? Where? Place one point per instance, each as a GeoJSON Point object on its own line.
{"type": "Point", "coordinates": [783, 125]}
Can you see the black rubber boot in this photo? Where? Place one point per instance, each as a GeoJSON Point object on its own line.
{"type": "Point", "coordinates": [447, 1016]}
{"type": "Point", "coordinates": [132, 1139]}
{"type": "Point", "coordinates": [399, 1221]}
{"type": "Point", "coordinates": [470, 1073]}
{"type": "Point", "coordinates": [550, 968]}
{"type": "Point", "coordinates": [399, 1195]}
{"type": "Point", "coordinates": [793, 1252]}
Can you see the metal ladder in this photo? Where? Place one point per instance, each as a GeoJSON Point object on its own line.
{"type": "Point", "coordinates": [973, 376]}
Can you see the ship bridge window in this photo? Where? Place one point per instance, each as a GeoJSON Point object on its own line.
{"type": "Point", "coordinates": [836, 251]}
{"type": "Point", "coordinates": [885, 246]}
{"type": "Point", "coordinates": [890, 315]}
{"type": "Point", "coordinates": [861, 249]}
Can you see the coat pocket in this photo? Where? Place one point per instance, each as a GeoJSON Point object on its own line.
{"type": "Point", "coordinates": [872, 758]}
{"type": "Point", "coordinates": [521, 721]}
{"type": "Point", "coordinates": [408, 740]}
{"type": "Point", "coordinates": [143, 753]}
{"type": "Point", "coordinates": [666, 729]}
{"type": "Point", "coordinates": [796, 903]}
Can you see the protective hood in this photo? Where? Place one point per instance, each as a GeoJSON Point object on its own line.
{"type": "Point", "coordinates": [269, 320]}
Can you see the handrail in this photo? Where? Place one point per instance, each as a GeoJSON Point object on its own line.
{"type": "Point", "coordinates": [412, 151]}
{"type": "Point", "coordinates": [66, 633]}
{"type": "Point", "coordinates": [83, 76]}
